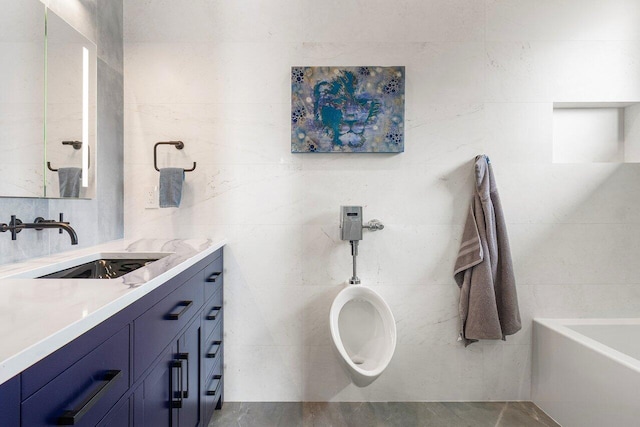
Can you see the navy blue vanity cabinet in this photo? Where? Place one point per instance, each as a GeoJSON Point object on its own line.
{"type": "Point", "coordinates": [212, 346]}
{"type": "Point", "coordinates": [10, 402]}
{"type": "Point", "coordinates": [157, 362]}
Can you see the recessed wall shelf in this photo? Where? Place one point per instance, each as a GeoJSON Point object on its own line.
{"type": "Point", "coordinates": [596, 132]}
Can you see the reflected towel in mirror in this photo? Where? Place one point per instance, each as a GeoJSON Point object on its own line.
{"type": "Point", "coordinates": [69, 179]}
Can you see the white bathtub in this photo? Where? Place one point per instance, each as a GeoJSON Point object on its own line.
{"type": "Point", "coordinates": [586, 372]}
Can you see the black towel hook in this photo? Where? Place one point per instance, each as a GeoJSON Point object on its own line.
{"type": "Point", "coordinates": [179, 146]}
{"type": "Point", "coordinates": [76, 146]}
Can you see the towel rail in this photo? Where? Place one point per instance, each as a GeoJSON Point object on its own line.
{"type": "Point", "coordinates": [76, 146]}
{"type": "Point", "coordinates": [179, 146]}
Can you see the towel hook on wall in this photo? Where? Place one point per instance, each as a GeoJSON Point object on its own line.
{"type": "Point", "coordinates": [179, 146]}
{"type": "Point", "coordinates": [76, 146]}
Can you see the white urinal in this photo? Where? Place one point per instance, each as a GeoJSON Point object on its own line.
{"type": "Point", "coordinates": [364, 333]}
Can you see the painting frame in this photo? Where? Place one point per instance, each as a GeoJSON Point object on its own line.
{"type": "Point", "coordinates": [355, 109]}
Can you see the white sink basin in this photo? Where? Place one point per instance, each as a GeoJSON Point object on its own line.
{"type": "Point", "coordinates": [47, 269]}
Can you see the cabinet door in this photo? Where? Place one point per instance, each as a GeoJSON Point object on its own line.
{"type": "Point", "coordinates": [157, 404]}
{"type": "Point", "coordinates": [188, 353]}
{"type": "Point", "coordinates": [170, 393]}
{"type": "Point", "coordinates": [119, 417]}
{"type": "Point", "coordinates": [10, 402]}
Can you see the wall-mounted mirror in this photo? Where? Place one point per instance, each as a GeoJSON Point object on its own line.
{"type": "Point", "coordinates": [70, 111]}
{"type": "Point", "coordinates": [47, 104]}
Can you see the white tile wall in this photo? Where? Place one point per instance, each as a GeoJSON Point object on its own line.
{"type": "Point", "coordinates": [481, 77]}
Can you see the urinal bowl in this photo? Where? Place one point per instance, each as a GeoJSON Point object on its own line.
{"type": "Point", "coordinates": [363, 331]}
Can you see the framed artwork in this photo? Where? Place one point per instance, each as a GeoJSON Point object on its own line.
{"type": "Point", "coordinates": [347, 109]}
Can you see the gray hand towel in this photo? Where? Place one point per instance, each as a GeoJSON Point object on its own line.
{"type": "Point", "coordinates": [69, 180]}
{"type": "Point", "coordinates": [171, 180]}
{"type": "Point", "coordinates": [484, 271]}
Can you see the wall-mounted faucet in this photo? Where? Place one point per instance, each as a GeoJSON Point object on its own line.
{"type": "Point", "coordinates": [351, 226]}
{"type": "Point", "coordinates": [16, 225]}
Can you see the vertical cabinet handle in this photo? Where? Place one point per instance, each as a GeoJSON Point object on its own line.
{"type": "Point", "coordinates": [215, 346]}
{"type": "Point", "coordinates": [183, 306]}
{"type": "Point", "coordinates": [185, 357]}
{"type": "Point", "coordinates": [71, 417]}
{"type": "Point", "coordinates": [214, 276]}
{"type": "Point", "coordinates": [215, 310]}
{"type": "Point", "coordinates": [175, 397]}
{"type": "Point", "coordinates": [216, 381]}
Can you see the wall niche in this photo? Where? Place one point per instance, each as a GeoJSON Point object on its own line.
{"type": "Point", "coordinates": [596, 132]}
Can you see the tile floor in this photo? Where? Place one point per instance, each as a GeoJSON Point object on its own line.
{"type": "Point", "coordinates": [381, 414]}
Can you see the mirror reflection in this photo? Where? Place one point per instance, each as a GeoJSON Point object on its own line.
{"type": "Point", "coordinates": [47, 104]}
{"type": "Point", "coordinates": [70, 111]}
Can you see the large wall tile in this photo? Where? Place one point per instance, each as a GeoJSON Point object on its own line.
{"type": "Point", "coordinates": [256, 315]}
{"type": "Point", "coordinates": [518, 133]}
{"type": "Point", "coordinates": [519, 71]}
{"type": "Point", "coordinates": [564, 254]}
{"type": "Point", "coordinates": [595, 71]}
{"type": "Point", "coordinates": [509, 20]}
{"type": "Point", "coordinates": [205, 20]}
{"type": "Point", "coordinates": [28, 243]}
{"type": "Point", "coordinates": [263, 265]}
{"type": "Point", "coordinates": [109, 33]}
{"type": "Point", "coordinates": [258, 369]}
{"type": "Point", "coordinates": [605, 300]}
{"type": "Point", "coordinates": [209, 72]}
{"type": "Point", "coordinates": [403, 20]}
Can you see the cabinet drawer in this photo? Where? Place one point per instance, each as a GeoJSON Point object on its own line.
{"type": "Point", "coordinates": [86, 391]}
{"type": "Point", "coordinates": [212, 390]}
{"type": "Point", "coordinates": [212, 349]}
{"type": "Point", "coordinates": [212, 314]}
{"type": "Point", "coordinates": [213, 278]}
{"type": "Point", "coordinates": [158, 326]}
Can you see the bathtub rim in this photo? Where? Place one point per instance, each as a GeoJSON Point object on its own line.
{"type": "Point", "coordinates": [561, 326]}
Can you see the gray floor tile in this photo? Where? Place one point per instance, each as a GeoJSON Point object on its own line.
{"type": "Point", "coordinates": [381, 414]}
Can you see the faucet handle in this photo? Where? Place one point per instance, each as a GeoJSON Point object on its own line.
{"type": "Point", "coordinates": [13, 226]}
{"type": "Point", "coordinates": [61, 220]}
{"type": "Point", "coordinates": [373, 225]}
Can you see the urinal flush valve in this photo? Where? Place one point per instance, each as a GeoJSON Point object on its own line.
{"type": "Point", "coordinates": [351, 226]}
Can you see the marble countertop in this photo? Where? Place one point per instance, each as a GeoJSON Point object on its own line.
{"type": "Point", "coordinates": [39, 316]}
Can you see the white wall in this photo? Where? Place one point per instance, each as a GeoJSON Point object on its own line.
{"type": "Point", "coordinates": [481, 78]}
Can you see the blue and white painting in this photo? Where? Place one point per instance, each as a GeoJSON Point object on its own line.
{"type": "Point", "coordinates": [347, 109]}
